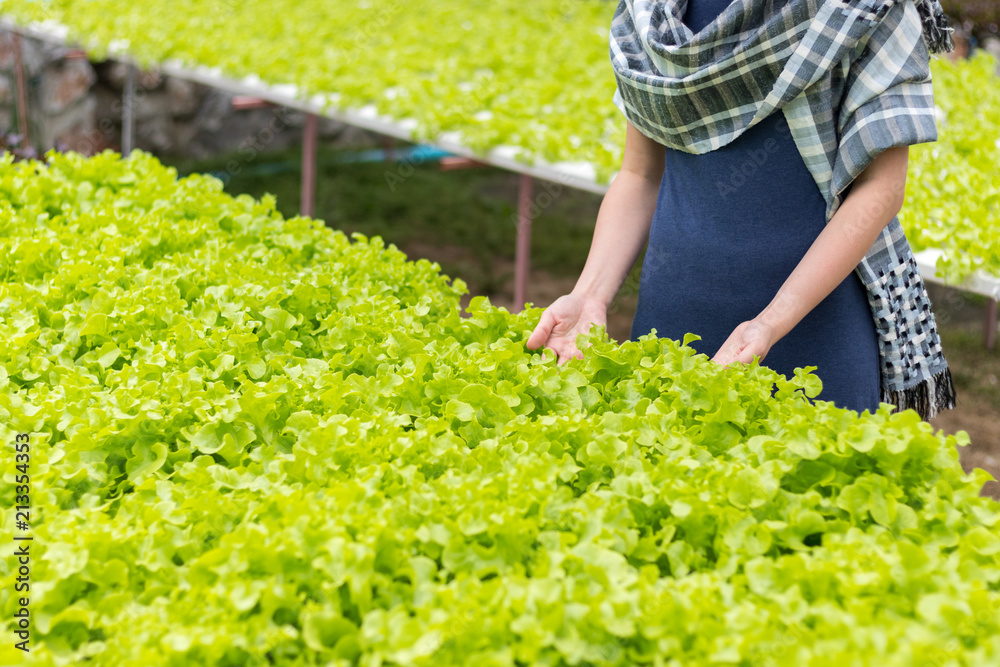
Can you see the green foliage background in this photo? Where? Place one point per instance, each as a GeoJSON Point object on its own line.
{"type": "Point", "coordinates": [534, 76]}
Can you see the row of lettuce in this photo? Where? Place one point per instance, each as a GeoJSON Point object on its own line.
{"type": "Point", "coordinates": [534, 76]}
{"type": "Point", "coordinates": [953, 184]}
{"type": "Point", "coordinates": [258, 442]}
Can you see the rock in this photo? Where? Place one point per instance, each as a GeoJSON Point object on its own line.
{"type": "Point", "coordinates": [214, 107]}
{"type": "Point", "coordinates": [113, 73]}
{"type": "Point", "coordinates": [184, 134]}
{"type": "Point", "coordinates": [220, 130]}
{"type": "Point", "coordinates": [35, 54]}
{"type": "Point", "coordinates": [74, 129]}
{"type": "Point", "coordinates": [185, 97]}
{"type": "Point", "coordinates": [150, 104]}
{"type": "Point", "coordinates": [6, 50]}
{"type": "Point", "coordinates": [156, 135]}
{"type": "Point", "coordinates": [150, 80]}
{"type": "Point", "coordinates": [64, 83]}
{"type": "Point", "coordinates": [109, 103]}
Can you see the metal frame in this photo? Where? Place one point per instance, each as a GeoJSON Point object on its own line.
{"type": "Point", "coordinates": [522, 261]}
{"type": "Point", "coordinates": [310, 134]}
{"type": "Point", "coordinates": [128, 109]}
{"type": "Point", "coordinates": [22, 91]}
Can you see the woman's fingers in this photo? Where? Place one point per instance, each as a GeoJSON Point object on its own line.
{"type": "Point", "coordinates": [561, 343]}
{"type": "Point", "coordinates": [756, 342]}
{"type": "Point", "coordinates": [560, 323]}
{"type": "Point", "coordinates": [541, 333]}
{"type": "Point", "coordinates": [556, 321]}
{"type": "Point", "coordinates": [565, 349]}
{"type": "Point", "coordinates": [548, 333]}
{"type": "Point", "coordinates": [731, 349]}
{"type": "Point", "coordinates": [750, 339]}
{"type": "Point", "coordinates": [724, 354]}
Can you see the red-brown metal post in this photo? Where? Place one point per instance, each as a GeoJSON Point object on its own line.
{"type": "Point", "coordinates": [522, 260]}
{"type": "Point", "coordinates": [22, 91]}
{"type": "Point", "coordinates": [309, 138]}
{"type": "Point", "coordinates": [991, 323]}
{"type": "Point", "coordinates": [242, 102]}
{"type": "Point", "coordinates": [389, 148]}
{"type": "Point", "coordinates": [451, 163]}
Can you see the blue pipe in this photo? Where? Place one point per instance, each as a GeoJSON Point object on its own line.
{"type": "Point", "coordinates": [411, 154]}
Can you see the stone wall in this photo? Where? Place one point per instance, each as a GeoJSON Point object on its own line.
{"type": "Point", "coordinates": [77, 105]}
{"type": "Point", "coordinates": [58, 83]}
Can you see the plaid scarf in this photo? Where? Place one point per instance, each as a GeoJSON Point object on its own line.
{"type": "Point", "coordinates": [852, 78]}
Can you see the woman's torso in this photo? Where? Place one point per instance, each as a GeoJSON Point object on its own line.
{"type": "Point", "coordinates": [730, 227]}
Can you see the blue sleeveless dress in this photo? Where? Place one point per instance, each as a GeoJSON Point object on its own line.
{"type": "Point", "coordinates": [729, 228]}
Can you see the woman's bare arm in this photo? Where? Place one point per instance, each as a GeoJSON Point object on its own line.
{"type": "Point", "coordinates": [875, 198]}
{"type": "Point", "coordinates": [623, 222]}
{"type": "Point", "coordinates": [621, 231]}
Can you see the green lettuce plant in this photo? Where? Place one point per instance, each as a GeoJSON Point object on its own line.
{"type": "Point", "coordinates": [256, 441]}
{"type": "Point", "coordinates": [953, 187]}
{"type": "Point", "coordinates": [532, 76]}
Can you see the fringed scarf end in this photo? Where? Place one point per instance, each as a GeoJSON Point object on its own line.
{"type": "Point", "coordinates": [937, 32]}
{"type": "Point", "coordinates": [927, 398]}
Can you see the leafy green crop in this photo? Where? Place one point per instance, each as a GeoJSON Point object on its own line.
{"type": "Point", "coordinates": [953, 191]}
{"type": "Point", "coordinates": [259, 442]}
{"type": "Point", "coordinates": [531, 75]}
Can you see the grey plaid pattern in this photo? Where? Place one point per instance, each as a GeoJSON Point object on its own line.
{"type": "Point", "coordinates": [852, 78]}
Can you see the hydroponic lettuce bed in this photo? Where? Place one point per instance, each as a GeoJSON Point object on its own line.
{"type": "Point", "coordinates": [257, 442]}
{"type": "Point", "coordinates": [530, 82]}
{"type": "Point", "coordinates": [953, 185]}
{"type": "Point", "coordinates": [504, 73]}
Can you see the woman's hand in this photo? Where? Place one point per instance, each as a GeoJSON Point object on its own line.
{"type": "Point", "coordinates": [568, 316]}
{"type": "Point", "coordinates": [750, 339]}
{"type": "Point", "coordinates": [875, 198]}
{"type": "Point", "coordinates": [621, 231]}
